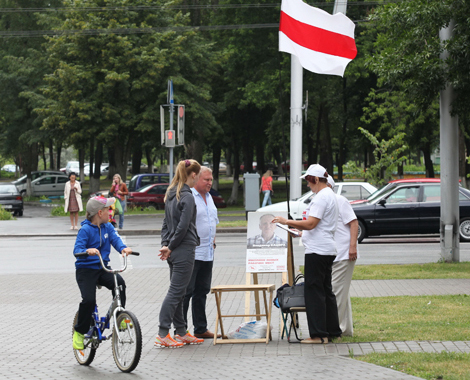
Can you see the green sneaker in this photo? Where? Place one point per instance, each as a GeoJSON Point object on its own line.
{"type": "Point", "coordinates": [78, 341]}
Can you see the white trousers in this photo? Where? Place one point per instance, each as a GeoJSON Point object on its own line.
{"type": "Point", "coordinates": [341, 281]}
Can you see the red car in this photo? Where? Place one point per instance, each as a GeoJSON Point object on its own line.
{"type": "Point", "coordinates": [393, 184]}
{"type": "Point", "coordinates": [152, 195]}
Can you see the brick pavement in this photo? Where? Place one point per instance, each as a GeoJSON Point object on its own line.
{"type": "Point", "coordinates": [42, 307]}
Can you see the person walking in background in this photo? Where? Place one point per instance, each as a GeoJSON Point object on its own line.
{"type": "Point", "coordinates": [343, 266]}
{"type": "Point", "coordinates": [119, 191]}
{"type": "Point", "coordinates": [73, 200]}
{"type": "Point", "coordinates": [200, 284]}
{"type": "Point", "coordinates": [319, 227]}
{"type": "Point", "coordinates": [179, 242]}
{"type": "Point", "coordinates": [266, 187]}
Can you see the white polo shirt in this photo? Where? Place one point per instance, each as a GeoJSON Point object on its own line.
{"type": "Point", "coordinates": [321, 239]}
{"type": "Point", "coordinates": [343, 230]}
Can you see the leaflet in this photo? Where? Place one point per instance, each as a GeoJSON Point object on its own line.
{"type": "Point", "coordinates": [290, 230]}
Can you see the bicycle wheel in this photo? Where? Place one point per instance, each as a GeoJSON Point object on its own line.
{"type": "Point", "coordinates": [127, 352]}
{"type": "Point", "coordinates": [85, 356]}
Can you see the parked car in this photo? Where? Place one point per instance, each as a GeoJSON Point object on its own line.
{"type": "Point", "coordinates": [151, 195]}
{"type": "Point", "coordinates": [49, 185]}
{"type": "Point", "coordinates": [20, 183]}
{"type": "Point", "coordinates": [393, 184]}
{"type": "Point", "coordinates": [103, 169]}
{"type": "Point", "coordinates": [217, 198]}
{"type": "Point", "coordinates": [351, 190]}
{"type": "Point", "coordinates": [409, 209]}
{"type": "Point", "coordinates": [140, 180]}
{"type": "Point", "coordinates": [72, 167]}
{"type": "Point", "coordinates": [11, 168]}
{"type": "Point", "coordinates": [10, 198]}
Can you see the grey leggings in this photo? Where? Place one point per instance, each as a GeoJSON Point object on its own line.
{"type": "Point", "coordinates": [181, 262]}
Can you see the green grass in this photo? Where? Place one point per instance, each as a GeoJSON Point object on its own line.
{"type": "Point", "coordinates": [232, 223]}
{"type": "Point", "coordinates": [405, 318]}
{"type": "Point", "coordinates": [412, 271]}
{"type": "Point", "coordinates": [431, 366]}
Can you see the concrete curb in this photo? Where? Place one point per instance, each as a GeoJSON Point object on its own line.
{"type": "Point", "coordinates": [233, 230]}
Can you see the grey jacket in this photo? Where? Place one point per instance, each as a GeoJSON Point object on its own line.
{"type": "Point", "coordinates": [179, 224]}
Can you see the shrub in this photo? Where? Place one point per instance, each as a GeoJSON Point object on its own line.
{"type": "Point", "coordinates": [5, 214]}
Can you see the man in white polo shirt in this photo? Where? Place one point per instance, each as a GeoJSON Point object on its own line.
{"type": "Point", "coordinates": [200, 284]}
{"type": "Point", "coordinates": [343, 266]}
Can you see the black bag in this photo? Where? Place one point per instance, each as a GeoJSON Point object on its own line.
{"type": "Point", "coordinates": [292, 296]}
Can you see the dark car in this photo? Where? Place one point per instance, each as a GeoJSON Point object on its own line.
{"type": "Point", "coordinates": [148, 196]}
{"type": "Point", "coordinates": [409, 209]}
{"type": "Point", "coordinates": [217, 198]}
{"type": "Point", "coordinates": [140, 180]}
{"type": "Point", "coordinates": [10, 198]}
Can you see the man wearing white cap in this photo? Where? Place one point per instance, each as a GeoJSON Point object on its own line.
{"type": "Point", "coordinates": [320, 251]}
{"type": "Point", "coordinates": [95, 237]}
{"type": "Point", "coordinates": [343, 266]}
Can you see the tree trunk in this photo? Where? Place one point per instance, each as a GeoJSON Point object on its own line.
{"type": "Point", "coordinates": [317, 143]}
{"type": "Point", "coordinates": [59, 152]}
{"type": "Point", "coordinates": [96, 176]}
{"type": "Point", "coordinates": [326, 154]}
{"type": "Point", "coordinates": [136, 160]}
{"type": "Point", "coordinates": [428, 164]}
{"type": "Point", "coordinates": [148, 156]}
{"type": "Point", "coordinates": [236, 174]}
{"type": "Point", "coordinates": [44, 160]}
{"type": "Point", "coordinates": [228, 158]}
{"type": "Point", "coordinates": [260, 161]}
{"type": "Point", "coordinates": [51, 154]}
{"type": "Point", "coordinates": [216, 153]}
{"type": "Point", "coordinates": [462, 158]}
{"type": "Point", "coordinates": [81, 163]}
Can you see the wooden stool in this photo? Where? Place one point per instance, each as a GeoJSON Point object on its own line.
{"type": "Point", "coordinates": [218, 290]}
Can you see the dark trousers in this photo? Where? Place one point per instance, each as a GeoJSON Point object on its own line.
{"type": "Point", "coordinates": [198, 289]}
{"type": "Point", "coordinates": [320, 301]}
{"type": "Point", "coordinates": [87, 279]}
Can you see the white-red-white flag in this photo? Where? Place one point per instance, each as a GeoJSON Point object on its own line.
{"type": "Point", "coordinates": [323, 43]}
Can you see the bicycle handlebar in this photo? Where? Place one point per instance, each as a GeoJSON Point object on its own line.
{"type": "Point", "coordinates": [79, 254]}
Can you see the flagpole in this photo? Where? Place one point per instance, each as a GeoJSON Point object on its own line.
{"type": "Point", "coordinates": [296, 127]}
{"type": "Point", "coordinates": [296, 116]}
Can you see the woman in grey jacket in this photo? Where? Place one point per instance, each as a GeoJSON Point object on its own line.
{"type": "Point", "coordinates": [179, 241]}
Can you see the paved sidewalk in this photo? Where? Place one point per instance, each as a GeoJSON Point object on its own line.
{"type": "Point", "coordinates": [40, 309]}
{"type": "Point", "coordinates": [46, 225]}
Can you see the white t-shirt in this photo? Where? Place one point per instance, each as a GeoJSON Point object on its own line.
{"type": "Point", "coordinates": [320, 240]}
{"type": "Point", "coordinates": [343, 230]}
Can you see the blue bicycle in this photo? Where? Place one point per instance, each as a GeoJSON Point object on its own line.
{"type": "Point", "coordinates": [126, 335]}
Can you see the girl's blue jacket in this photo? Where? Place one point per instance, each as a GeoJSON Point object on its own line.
{"type": "Point", "coordinates": [101, 238]}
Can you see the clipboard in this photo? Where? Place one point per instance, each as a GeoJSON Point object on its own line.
{"type": "Point", "coordinates": [285, 228]}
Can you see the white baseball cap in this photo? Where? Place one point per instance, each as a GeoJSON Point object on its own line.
{"type": "Point", "coordinates": [331, 181]}
{"type": "Point", "coordinates": [316, 170]}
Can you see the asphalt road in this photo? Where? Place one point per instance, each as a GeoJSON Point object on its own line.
{"type": "Point", "coordinates": [46, 254]}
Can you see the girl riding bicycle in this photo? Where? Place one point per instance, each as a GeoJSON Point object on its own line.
{"type": "Point", "coordinates": [95, 237]}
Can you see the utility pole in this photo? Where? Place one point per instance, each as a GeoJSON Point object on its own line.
{"type": "Point", "coordinates": [168, 137]}
{"type": "Point", "coordinates": [449, 143]}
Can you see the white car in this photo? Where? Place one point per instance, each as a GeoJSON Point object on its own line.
{"type": "Point", "coordinates": [103, 169]}
{"type": "Point", "coordinates": [351, 190]}
{"type": "Point", "coordinates": [11, 168]}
